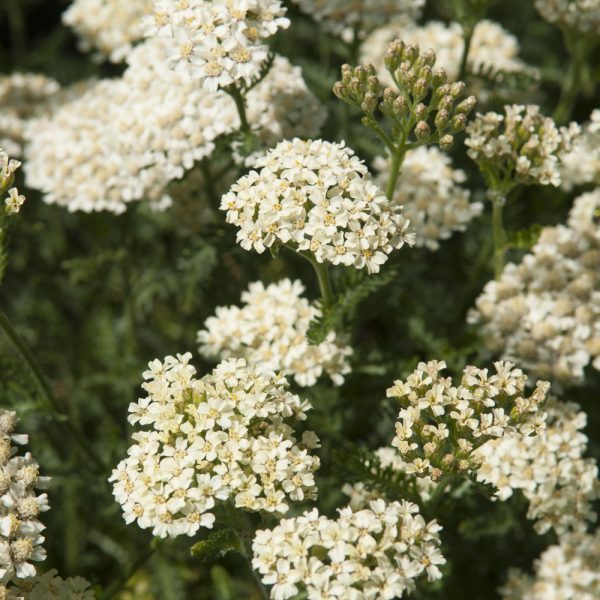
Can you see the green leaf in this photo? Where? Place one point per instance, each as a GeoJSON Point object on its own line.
{"type": "Point", "coordinates": [525, 239]}
{"type": "Point", "coordinates": [218, 543]}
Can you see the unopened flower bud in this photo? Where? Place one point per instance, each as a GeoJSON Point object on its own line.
{"type": "Point", "coordinates": [400, 106]}
{"type": "Point", "coordinates": [466, 106]}
{"type": "Point", "coordinates": [456, 89]}
{"type": "Point", "coordinates": [446, 142]}
{"type": "Point", "coordinates": [441, 119]}
{"type": "Point", "coordinates": [458, 123]}
{"type": "Point", "coordinates": [439, 78]}
{"type": "Point", "coordinates": [420, 111]}
{"type": "Point", "coordinates": [369, 103]}
{"type": "Point", "coordinates": [420, 89]}
{"type": "Point", "coordinates": [422, 130]}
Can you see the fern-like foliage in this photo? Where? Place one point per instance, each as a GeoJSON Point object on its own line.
{"type": "Point", "coordinates": [355, 288]}
{"type": "Point", "coordinates": [218, 543]}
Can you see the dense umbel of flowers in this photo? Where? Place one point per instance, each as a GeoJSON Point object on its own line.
{"type": "Point", "coordinates": [440, 425]}
{"type": "Point", "coordinates": [20, 506]}
{"type": "Point", "coordinates": [582, 164]}
{"type": "Point", "coordinates": [110, 27]}
{"type": "Point", "coordinates": [582, 15]}
{"type": "Point", "coordinates": [544, 312]}
{"type": "Point", "coordinates": [318, 197]}
{"type": "Point", "coordinates": [122, 140]}
{"type": "Point", "coordinates": [270, 331]}
{"type": "Point", "coordinates": [14, 200]}
{"type": "Point", "coordinates": [349, 18]}
{"type": "Point", "coordinates": [224, 437]}
{"type": "Point", "coordinates": [22, 97]}
{"type": "Point", "coordinates": [217, 41]}
{"type": "Point", "coordinates": [565, 571]}
{"type": "Point", "coordinates": [376, 553]}
{"type": "Point", "coordinates": [50, 586]}
{"type": "Point", "coordinates": [431, 194]}
{"type": "Point", "coordinates": [520, 145]}
{"type": "Point", "coordinates": [549, 469]}
{"type": "Point", "coordinates": [389, 459]}
{"type": "Point", "coordinates": [492, 49]}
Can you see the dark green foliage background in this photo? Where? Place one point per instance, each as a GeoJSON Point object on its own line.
{"type": "Point", "coordinates": [97, 296]}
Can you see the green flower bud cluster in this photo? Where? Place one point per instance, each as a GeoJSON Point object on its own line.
{"type": "Point", "coordinates": [422, 107]}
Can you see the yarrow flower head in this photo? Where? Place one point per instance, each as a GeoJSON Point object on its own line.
{"type": "Point", "coordinates": [492, 50]}
{"type": "Point", "coordinates": [218, 41]}
{"type": "Point", "coordinates": [378, 552]}
{"type": "Point", "coordinates": [519, 146]}
{"type": "Point", "coordinates": [440, 425]}
{"type": "Point", "coordinates": [51, 586]}
{"type": "Point", "coordinates": [567, 570]}
{"type": "Point", "coordinates": [356, 18]}
{"type": "Point", "coordinates": [226, 437]}
{"type": "Point", "coordinates": [20, 506]}
{"type": "Point", "coordinates": [270, 331]}
{"type": "Point", "coordinates": [579, 15]}
{"type": "Point", "coordinates": [550, 470]}
{"type": "Point", "coordinates": [23, 96]}
{"type": "Point", "coordinates": [544, 312]}
{"type": "Point", "coordinates": [582, 164]}
{"type": "Point", "coordinates": [318, 197]}
{"type": "Point", "coordinates": [431, 195]}
{"type": "Point", "coordinates": [110, 27]}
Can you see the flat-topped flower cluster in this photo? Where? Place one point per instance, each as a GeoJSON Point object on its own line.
{"type": "Point", "coordinates": [441, 425]}
{"type": "Point", "coordinates": [549, 468]}
{"type": "Point", "coordinates": [318, 197]}
{"type": "Point", "coordinates": [226, 437]}
{"type": "Point", "coordinates": [521, 145]}
{"type": "Point", "coordinates": [376, 553]}
{"type": "Point", "coordinates": [544, 312]}
{"type": "Point", "coordinates": [579, 15]}
{"type": "Point", "coordinates": [218, 42]}
{"type": "Point", "coordinates": [270, 331]}
{"type": "Point", "coordinates": [567, 570]}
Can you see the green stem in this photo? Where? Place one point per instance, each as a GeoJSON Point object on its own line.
{"type": "Point", "coordinates": [240, 104]}
{"type": "Point", "coordinates": [438, 494]}
{"type": "Point", "coordinates": [468, 38]}
{"type": "Point", "coordinates": [44, 387]}
{"type": "Point", "coordinates": [396, 163]}
{"type": "Point", "coordinates": [572, 82]}
{"type": "Point", "coordinates": [135, 566]}
{"type": "Point", "coordinates": [499, 235]}
{"type": "Point", "coordinates": [322, 271]}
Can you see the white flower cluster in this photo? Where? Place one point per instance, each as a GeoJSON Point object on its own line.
{"type": "Point", "coordinates": [492, 49]}
{"type": "Point", "coordinates": [22, 97]}
{"type": "Point", "coordinates": [318, 197]}
{"type": "Point", "coordinates": [270, 331]}
{"type": "Point", "coordinates": [566, 571]}
{"type": "Point", "coordinates": [217, 41]}
{"type": "Point", "coordinates": [110, 27]}
{"type": "Point", "coordinates": [356, 18]}
{"type": "Point", "coordinates": [50, 586]}
{"type": "Point", "coordinates": [376, 553]}
{"type": "Point", "coordinates": [388, 458]}
{"type": "Point", "coordinates": [522, 145]}
{"type": "Point", "coordinates": [116, 141]}
{"type": "Point", "coordinates": [430, 192]}
{"type": "Point", "coordinates": [14, 201]}
{"type": "Point", "coordinates": [545, 312]}
{"type": "Point", "coordinates": [581, 15]}
{"type": "Point", "coordinates": [281, 106]}
{"type": "Point", "coordinates": [20, 506]}
{"type": "Point", "coordinates": [224, 437]}
{"type": "Point", "coordinates": [559, 484]}
{"type": "Point", "coordinates": [582, 164]}
{"type": "Point", "coordinates": [440, 426]}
